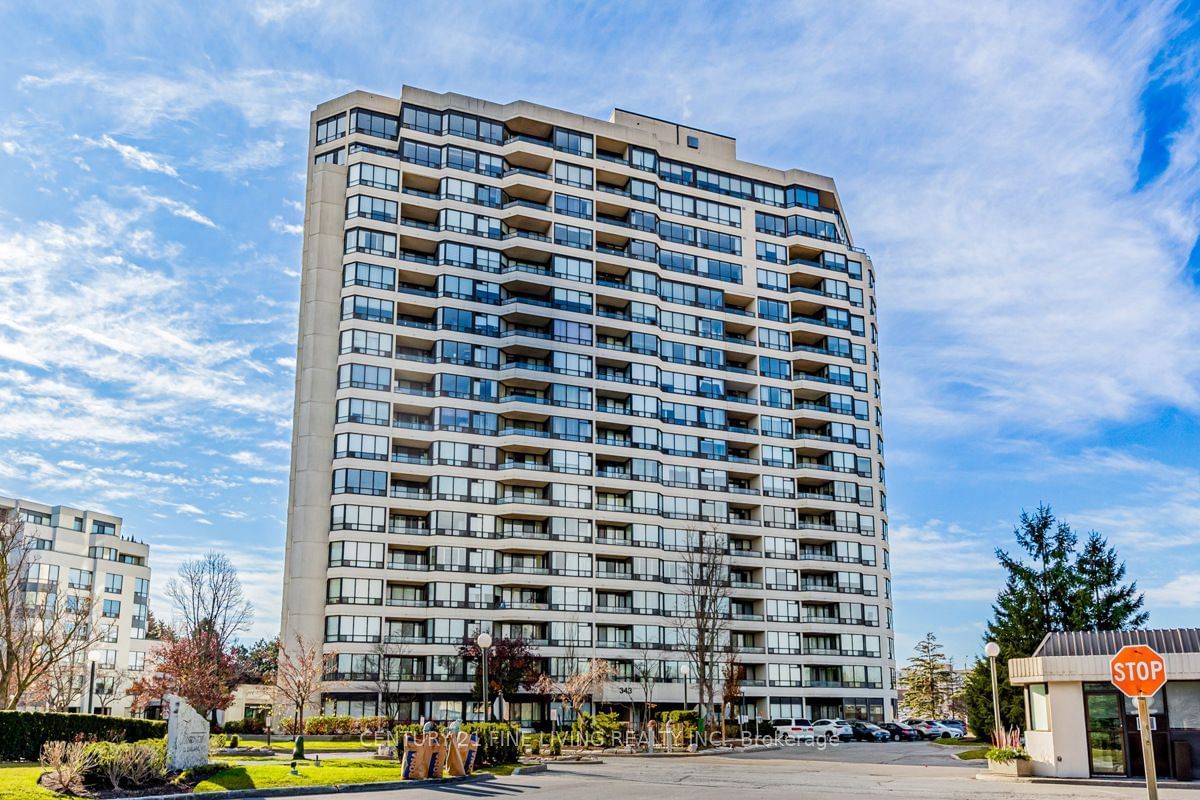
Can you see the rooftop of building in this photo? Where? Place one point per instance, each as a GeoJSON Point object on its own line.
{"type": "Point", "coordinates": [670, 139]}
{"type": "Point", "coordinates": [1107, 643]}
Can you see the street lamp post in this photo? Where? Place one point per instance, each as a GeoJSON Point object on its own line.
{"type": "Point", "coordinates": [484, 641]}
{"type": "Point", "coordinates": [93, 657]}
{"type": "Point", "coordinates": [685, 670]}
{"type": "Point", "coordinates": [992, 649]}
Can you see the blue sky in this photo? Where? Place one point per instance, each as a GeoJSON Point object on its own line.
{"type": "Point", "coordinates": [1024, 176]}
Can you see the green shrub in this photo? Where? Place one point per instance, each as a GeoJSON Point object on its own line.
{"type": "Point", "coordinates": [22, 733]}
{"type": "Point", "coordinates": [252, 725]}
{"type": "Point", "coordinates": [555, 746]}
{"type": "Point", "coordinates": [343, 725]}
{"type": "Point", "coordinates": [1003, 755]}
{"type": "Point", "coordinates": [535, 744]}
{"type": "Point", "coordinates": [499, 742]}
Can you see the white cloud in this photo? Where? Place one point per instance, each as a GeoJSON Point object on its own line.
{"type": "Point", "coordinates": [243, 157]}
{"type": "Point", "coordinates": [246, 458]}
{"type": "Point", "coordinates": [176, 207]}
{"type": "Point", "coordinates": [271, 11]}
{"type": "Point", "coordinates": [234, 514]}
{"type": "Point", "coordinates": [1182, 592]}
{"type": "Point", "coordinates": [10, 148]}
{"type": "Point", "coordinates": [279, 226]}
{"type": "Point", "coordinates": [140, 159]}
{"type": "Point", "coordinates": [188, 508]}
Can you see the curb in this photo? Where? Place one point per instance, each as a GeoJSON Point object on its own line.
{"type": "Point", "coordinates": [532, 769]}
{"type": "Point", "coordinates": [1115, 783]}
{"type": "Point", "coordinates": [347, 788]}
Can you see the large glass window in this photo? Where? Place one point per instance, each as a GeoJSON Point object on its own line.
{"type": "Point", "coordinates": [374, 124]}
{"type": "Point", "coordinates": [331, 128]}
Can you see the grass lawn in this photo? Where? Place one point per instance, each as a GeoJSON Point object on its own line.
{"type": "Point", "coordinates": [19, 782]}
{"type": "Point", "coordinates": [261, 776]}
{"type": "Point", "coordinates": [973, 753]}
{"type": "Point", "coordinates": [285, 746]}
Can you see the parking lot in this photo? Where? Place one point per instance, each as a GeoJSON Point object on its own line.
{"type": "Point", "coordinates": [916, 770]}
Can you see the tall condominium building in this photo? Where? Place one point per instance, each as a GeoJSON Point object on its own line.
{"type": "Point", "coordinates": [540, 356]}
{"type": "Point", "coordinates": [76, 554]}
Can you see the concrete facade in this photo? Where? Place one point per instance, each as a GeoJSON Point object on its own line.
{"type": "Point", "coordinates": [85, 553]}
{"type": "Point", "coordinates": [540, 356]}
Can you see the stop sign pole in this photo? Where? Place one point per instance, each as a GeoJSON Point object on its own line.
{"type": "Point", "coordinates": [1139, 672]}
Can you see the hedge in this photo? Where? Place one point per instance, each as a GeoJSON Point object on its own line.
{"type": "Point", "coordinates": [22, 733]}
{"type": "Point", "coordinates": [499, 742]}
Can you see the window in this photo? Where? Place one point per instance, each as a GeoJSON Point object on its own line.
{"type": "Point", "coordinates": [374, 124]}
{"type": "Point", "coordinates": [137, 661]}
{"type": "Point", "coordinates": [360, 481]}
{"type": "Point", "coordinates": [571, 236]}
{"type": "Point", "coordinates": [361, 445]}
{"type": "Point", "coordinates": [572, 175]}
{"type": "Point", "coordinates": [362, 376]}
{"type": "Point", "coordinates": [352, 629]}
{"type": "Point", "coordinates": [337, 156]}
{"type": "Point", "coordinates": [366, 412]}
{"type": "Point", "coordinates": [693, 142]}
{"type": "Point", "coordinates": [774, 253]}
{"type": "Point", "coordinates": [361, 240]}
{"type": "Point", "coordinates": [371, 309]}
{"type": "Point", "coordinates": [34, 517]}
{"type": "Point", "coordinates": [113, 584]}
{"type": "Point", "coordinates": [331, 128]}
{"type": "Point", "coordinates": [369, 275]}
{"type": "Point", "coordinates": [80, 579]}
{"type": "Point", "coordinates": [111, 609]}
{"type": "Point", "coordinates": [376, 177]}
{"type": "Point", "coordinates": [105, 528]}
{"type": "Point", "coordinates": [375, 208]}
{"type": "Point", "coordinates": [572, 206]}
{"type": "Point", "coordinates": [358, 518]}
{"type": "Point", "coordinates": [1039, 707]}
{"type": "Point", "coordinates": [420, 119]}
{"type": "Point", "coordinates": [367, 343]}
{"type": "Point", "coordinates": [579, 144]}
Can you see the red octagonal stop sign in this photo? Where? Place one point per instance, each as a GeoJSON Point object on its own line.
{"type": "Point", "coordinates": [1138, 671]}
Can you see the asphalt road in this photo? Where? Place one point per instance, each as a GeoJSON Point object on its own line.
{"type": "Point", "coordinates": [898, 770]}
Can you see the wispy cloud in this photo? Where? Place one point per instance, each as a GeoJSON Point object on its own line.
{"type": "Point", "coordinates": [131, 155]}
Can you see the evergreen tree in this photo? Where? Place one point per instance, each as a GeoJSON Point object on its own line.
{"type": "Point", "coordinates": [1102, 602]}
{"type": "Point", "coordinates": [928, 680]}
{"type": "Point", "coordinates": [1049, 588]}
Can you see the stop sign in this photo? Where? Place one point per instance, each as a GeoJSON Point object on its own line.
{"type": "Point", "coordinates": [1138, 671]}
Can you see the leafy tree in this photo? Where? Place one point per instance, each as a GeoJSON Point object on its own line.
{"type": "Point", "coordinates": [512, 665]}
{"type": "Point", "coordinates": [1052, 588]}
{"type": "Point", "coordinates": [929, 680]}
{"type": "Point", "coordinates": [256, 663]}
{"type": "Point", "coordinates": [194, 668]}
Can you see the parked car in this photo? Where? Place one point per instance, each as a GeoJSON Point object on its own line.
{"type": "Point", "coordinates": [955, 723]}
{"type": "Point", "coordinates": [868, 732]}
{"type": "Point", "coordinates": [794, 728]}
{"type": "Point", "coordinates": [833, 729]}
{"type": "Point", "coordinates": [902, 733]}
{"type": "Point", "coordinates": [933, 730]}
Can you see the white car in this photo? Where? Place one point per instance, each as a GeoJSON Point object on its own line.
{"type": "Point", "coordinates": [794, 728]}
{"type": "Point", "coordinates": [934, 730]}
{"type": "Point", "coordinates": [833, 729]}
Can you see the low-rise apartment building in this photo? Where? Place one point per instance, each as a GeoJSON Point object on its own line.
{"type": "Point", "coordinates": [76, 554]}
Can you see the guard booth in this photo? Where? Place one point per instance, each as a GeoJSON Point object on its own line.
{"type": "Point", "coordinates": [1078, 725]}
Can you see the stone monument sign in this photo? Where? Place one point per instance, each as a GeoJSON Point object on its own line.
{"type": "Point", "coordinates": [187, 735]}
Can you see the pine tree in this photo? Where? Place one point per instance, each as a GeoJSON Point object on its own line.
{"type": "Point", "coordinates": [928, 680]}
{"type": "Point", "coordinates": [1102, 602]}
{"type": "Point", "coordinates": [1051, 588]}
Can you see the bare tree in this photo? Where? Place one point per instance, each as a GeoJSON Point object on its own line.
{"type": "Point", "coordinates": [61, 684]}
{"type": "Point", "coordinates": [645, 673]}
{"type": "Point", "coordinates": [579, 687]}
{"type": "Point", "coordinates": [110, 684]}
{"type": "Point", "coordinates": [39, 626]}
{"type": "Point", "coordinates": [391, 655]}
{"type": "Point", "coordinates": [703, 631]}
{"type": "Point", "coordinates": [208, 597]}
{"type": "Point", "coordinates": [301, 667]}
{"type": "Point", "coordinates": [732, 674]}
